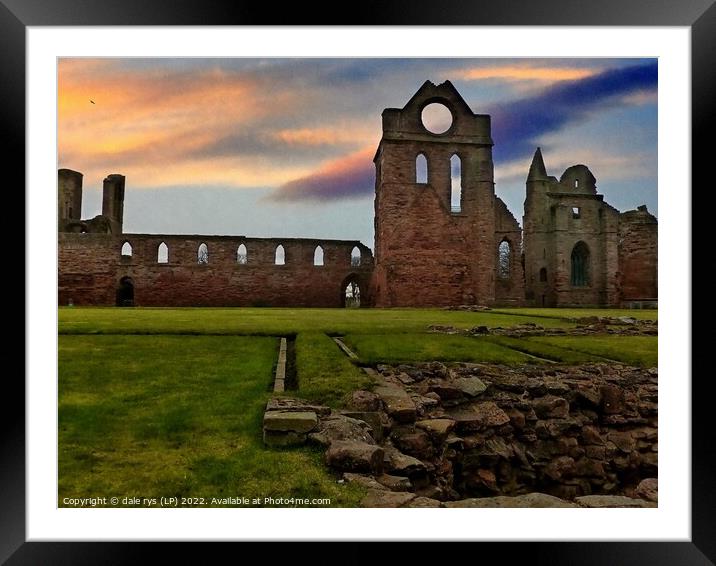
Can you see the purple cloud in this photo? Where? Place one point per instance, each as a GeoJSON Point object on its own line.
{"type": "Point", "coordinates": [516, 125]}
{"type": "Point", "coordinates": [350, 176]}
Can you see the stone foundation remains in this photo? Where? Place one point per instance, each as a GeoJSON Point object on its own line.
{"type": "Point", "coordinates": [485, 435]}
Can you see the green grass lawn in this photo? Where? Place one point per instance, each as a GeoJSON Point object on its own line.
{"type": "Point", "coordinates": [567, 313]}
{"type": "Point", "coordinates": [632, 350]}
{"type": "Point", "coordinates": [544, 350]}
{"type": "Point", "coordinates": [325, 373]}
{"type": "Point", "coordinates": [153, 416]}
{"type": "Point", "coordinates": [168, 402]}
{"type": "Point", "coordinates": [405, 348]}
{"type": "Point", "coordinates": [277, 321]}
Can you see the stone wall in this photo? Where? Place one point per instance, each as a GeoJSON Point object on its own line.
{"type": "Point", "coordinates": [452, 432]}
{"type": "Point", "coordinates": [559, 215]}
{"type": "Point", "coordinates": [509, 290]}
{"type": "Point", "coordinates": [87, 269]}
{"type": "Point", "coordinates": [91, 267]}
{"type": "Point", "coordinates": [638, 255]}
{"type": "Point", "coordinates": [429, 253]}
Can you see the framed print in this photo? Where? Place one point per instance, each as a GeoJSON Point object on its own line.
{"type": "Point", "coordinates": [347, 192]}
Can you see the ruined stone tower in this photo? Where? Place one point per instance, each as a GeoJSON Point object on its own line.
{"type": "Point", "coordinates": [113, 201]}
{"type": "Point", "coordinates": [438, 223]}
{"type": "Point", "coordinates": [638, 257]}
{"type": "Point", "coordinates": [570, 239]}
{"type": "Point", "coordinates": [69, 203]}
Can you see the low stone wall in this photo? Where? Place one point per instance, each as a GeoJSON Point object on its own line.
{"type": "Point", "coordinates": [443, 435]}
{"type": "Point", "coordinates": [564, 430]}
{"type": "Point", "coordinates": [91, 267]}
{"type": "Point", "coordinates": [288, 421]}
{"type": "Point", "coordinates": [587, 326]}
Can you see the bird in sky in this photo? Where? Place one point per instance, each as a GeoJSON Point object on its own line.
{"type": "Point", "coordinates": [92, 101]}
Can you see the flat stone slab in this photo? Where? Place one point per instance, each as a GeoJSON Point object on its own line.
{"type": "Point", "coordinates": [602, 501]}
{"type": "Point", "coordinates": [362, 400]}
{"type": "Point", "coordinates": [556, 386]}
{"type": "Point", "coordinates": [470, 386]}
{"type": "Point", "coordinates": [380, 498]}
{"type": "Point", "coordinates": [349, 456]}
{"type": "Point", "coordinates": [623, 440]}
{"type": "Point", "coordinates": [402, 464]}
{"type": "Point", "coordinates": [478, 415]}
{"type": "Point", "coordinates": [648, 489]}
{"type": "Point", "coordinates": [366, 481]}
{"type": "Point", "coordinates": [394, 483]}
{"type": "Point", "coordinates": [289, 421]}
{"type": "Point", "coordinates": [446, 390]}
{"type": "Point", "coordinates": [398, 403]}
{"type": "Point", "coordinates": [423, 403]}
{"type": "Point", "coordinates": [437, 428]}
{"type": "Point", "coordinates": [529, 500]}
{"type": "Point", "coordinates": [551, 407]}
{"type": "Point", "coordinates": [294, 404]}
{"type": "Point", "coordinates": [412, 441]}
{"type": "Point", "coordinates": [279, 385]}
{"type": "Point", "coordinates": [372, 419]}
{"type": "Point", "coordinates": [346, 350]}
{"type": "Point", "coordinates": [341, 427]}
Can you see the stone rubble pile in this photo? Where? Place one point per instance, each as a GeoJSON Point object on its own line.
{"type": "Point", "coordinates": [488, 435]}
{"type": "Point", "coordinates": [623, 326]}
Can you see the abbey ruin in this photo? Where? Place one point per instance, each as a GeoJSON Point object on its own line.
{"type": "Point", "coordinates": [437, 242]}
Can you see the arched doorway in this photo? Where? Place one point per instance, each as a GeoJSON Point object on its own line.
{"type": "Point", "coordinates": [125, 292]}
{"type": "Point", "coordinates": [351, 293]}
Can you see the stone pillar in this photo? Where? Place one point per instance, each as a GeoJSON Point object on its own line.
{"type": "Point", "coordinates": [69, 192]}
{"type": "Point", "coordinates": [113, 201]}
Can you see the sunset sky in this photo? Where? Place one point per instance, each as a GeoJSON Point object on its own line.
{"type": "Point", "coordinates": [284, 147]}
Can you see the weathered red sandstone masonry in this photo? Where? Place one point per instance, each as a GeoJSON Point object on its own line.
{"type": "Point", "coordinates": [442, 237]}
{"type": "Point", "coordinates": [207, 271]}
{"type": "Point", "coordinates": [487, 435]}
{"type": "Point", "coordinates": [432, 249]}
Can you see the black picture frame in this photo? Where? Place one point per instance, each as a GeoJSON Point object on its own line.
{"type": "Point", "coordinates": [699, 15]}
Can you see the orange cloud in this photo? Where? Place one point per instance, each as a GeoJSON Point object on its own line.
{"type": "Point", "coordinates": [346, 177]}
{"type": "Point", "coordinates": [231, 172]}
{"type": "Point", "coordinates": [145, 102]}
{"type": "Point", "coordinates": [347, 133]}
{"type": "Point", "coordinates": [515, 73]}
{"type": "Point", "coordinates": [147, 120]}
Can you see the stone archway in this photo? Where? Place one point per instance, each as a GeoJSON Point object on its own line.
{"type": "Point", "coordinates": [351, 290]}
{"type": "Point", "coordinates": [125, 292]}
